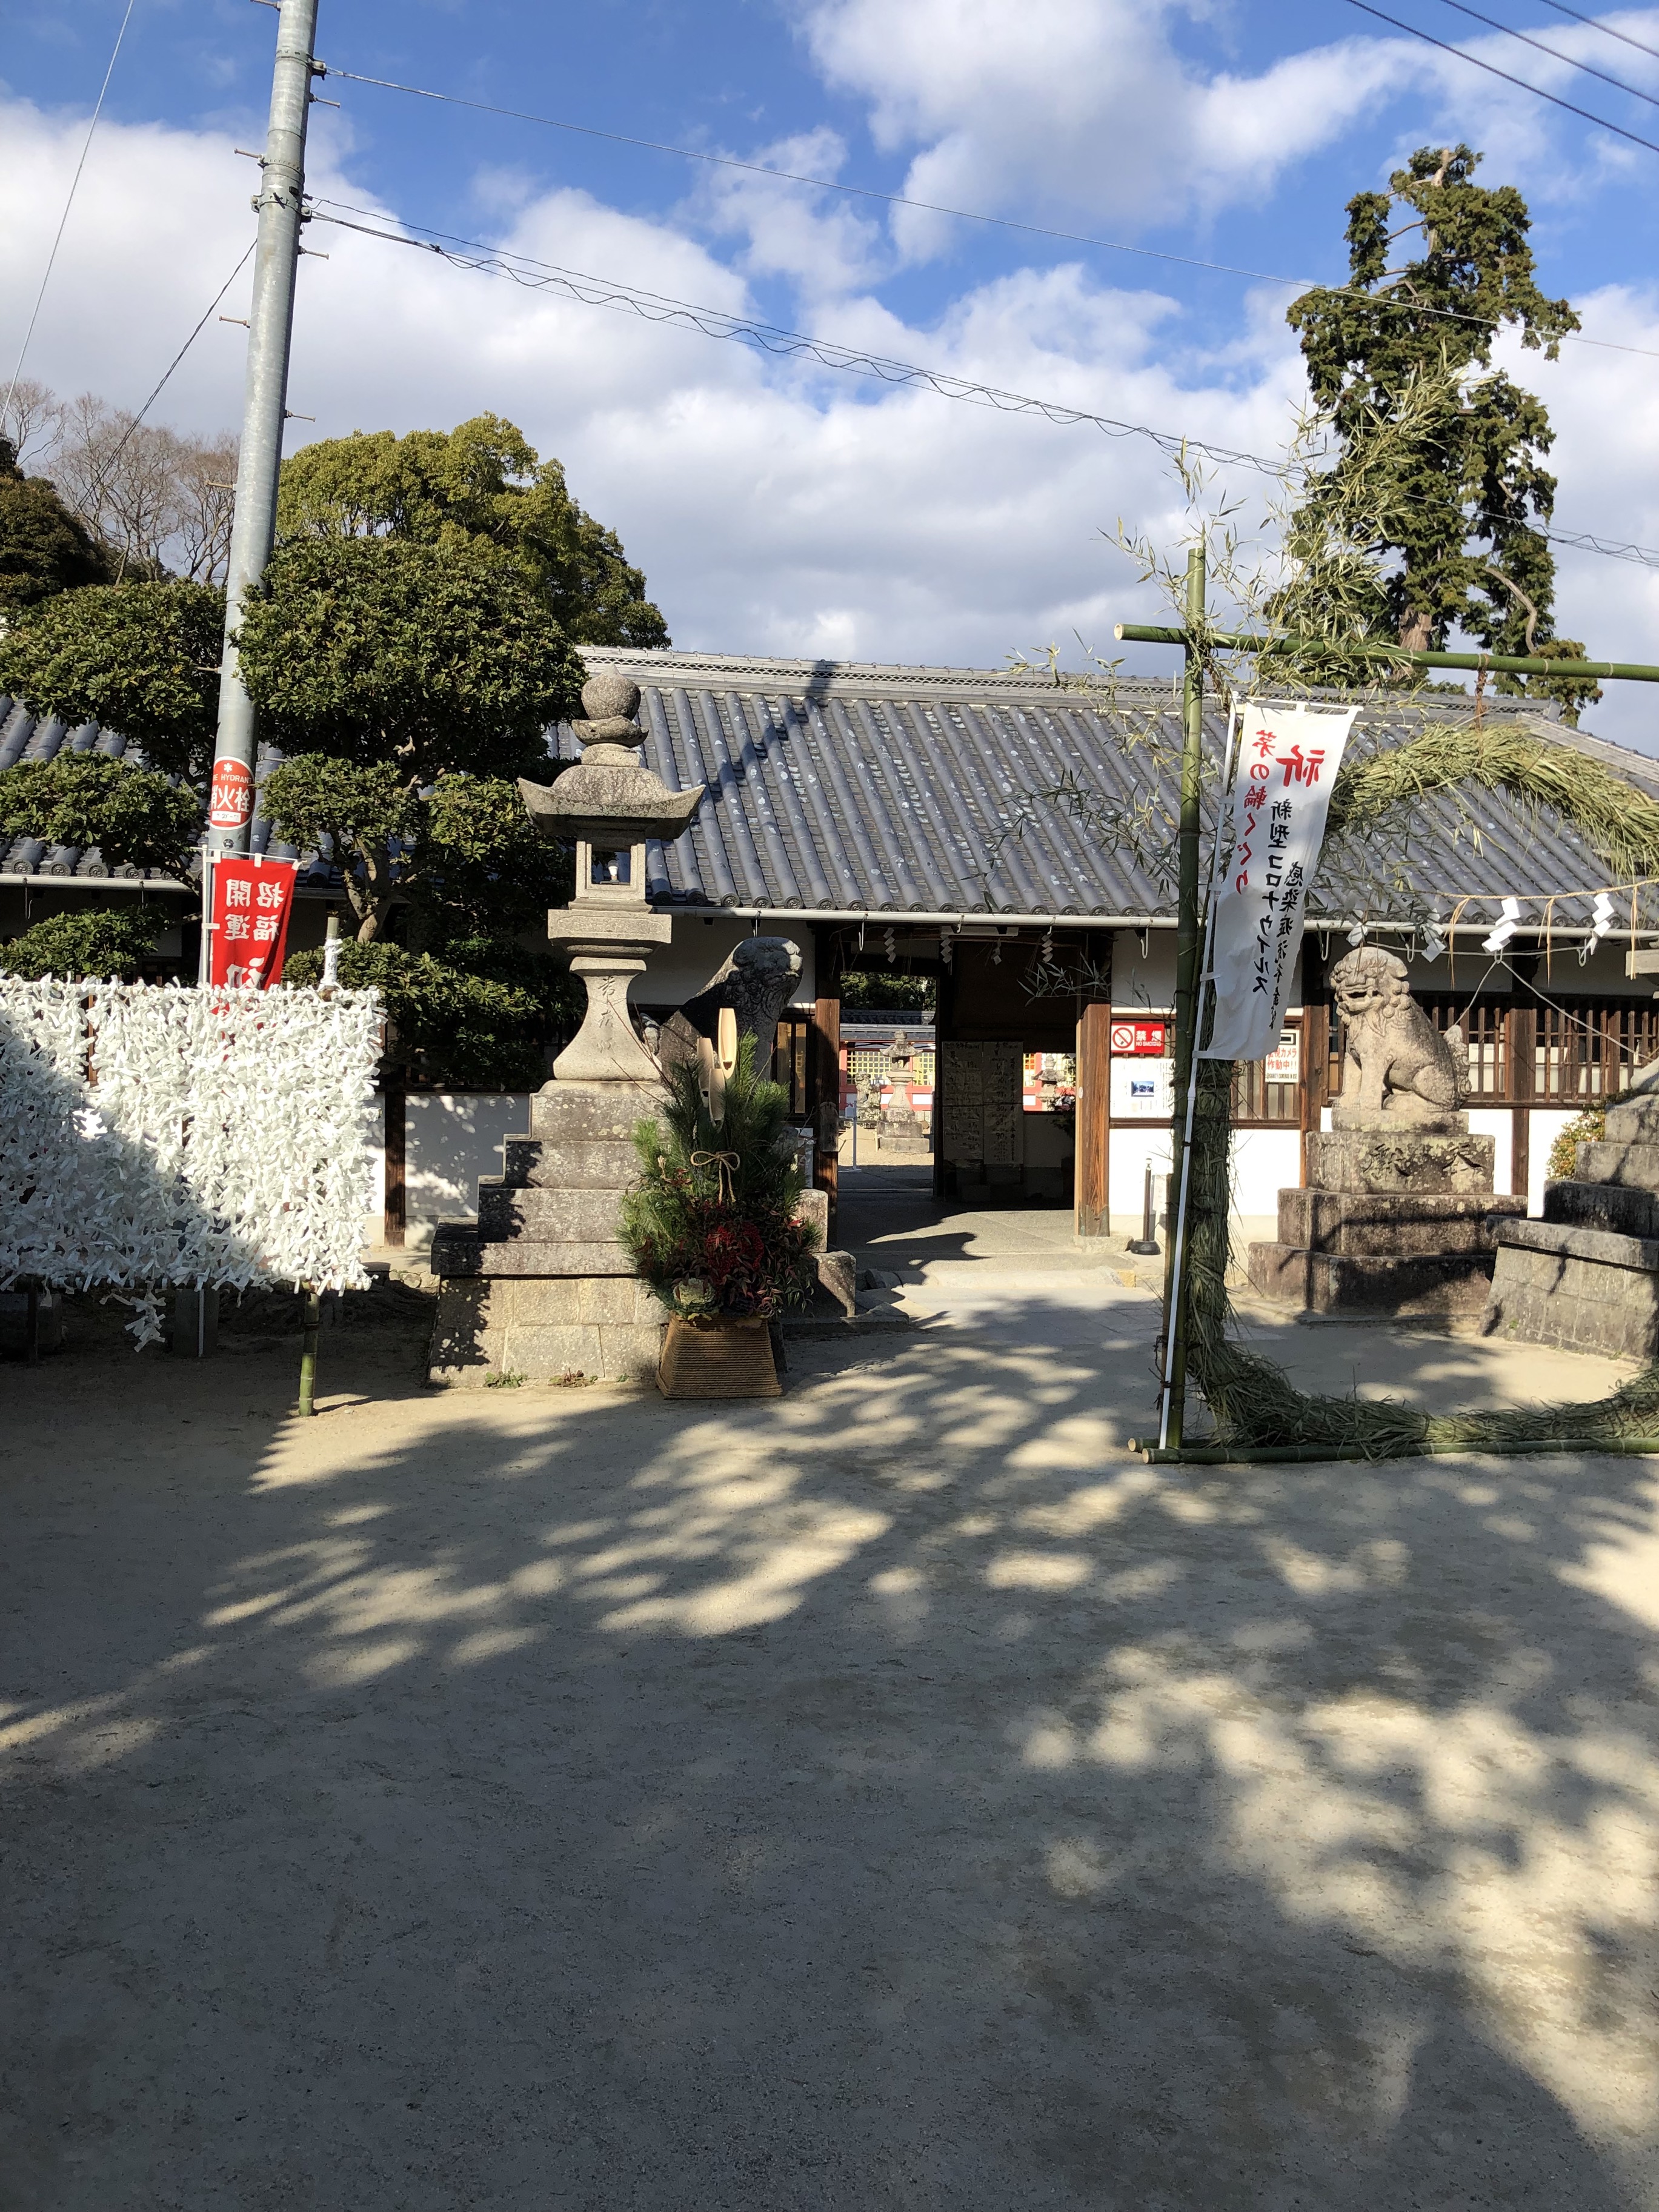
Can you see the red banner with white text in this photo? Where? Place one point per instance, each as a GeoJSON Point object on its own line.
{"type": "Point", "coordinates": [251, 902]}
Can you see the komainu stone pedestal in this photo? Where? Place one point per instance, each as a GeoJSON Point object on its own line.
{"type": "Point", "coordinates": [1397, 1216]}
{"type": "Point", "coordinates": [540, 1285]}
{"type": "Point", "coordinates": [1586, 1277]}
{"type": "Point", "coordinates": [1395, 1220]}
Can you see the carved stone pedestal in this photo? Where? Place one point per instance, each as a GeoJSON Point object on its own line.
{"type": "Point", "coordinates": [1395, 1222]}
{"type": "Point", "coordinates": [1399, 1212]}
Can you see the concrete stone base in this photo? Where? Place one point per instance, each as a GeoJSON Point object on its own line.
{"type": "Point", "coordinates": [1379, 1224]}
{"type": "Point", "coordinates": [1584, 1290]}
{"type": "Point", "coordinates": [1425, 1284]}
{"type": "Point", "coordinates": [607, 1329]}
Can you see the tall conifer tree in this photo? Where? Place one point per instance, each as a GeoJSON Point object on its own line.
{"type": "Point", "coordinates": [1471, 553]}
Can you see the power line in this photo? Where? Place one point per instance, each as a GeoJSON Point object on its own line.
{"type": "Point", "coordinates": [966, 215]}
{"type": "Point", "coordinates": [75, 183]}
{"type": "Point", "coordinates": [1606, 29]}
{"type": "Point", "coordinates": [1555, 55]}
{"type": "Point", "coordinates": [768, 338]}
{"type": "Point", "coordinates": [106, 471]}
{"type": "Point", "coordinates": [1491, 69]}
{"type": "Point", "coordinates": [716, 322]}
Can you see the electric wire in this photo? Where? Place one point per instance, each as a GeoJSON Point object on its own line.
{"type": "Point", "coordinates": [1493, 70]}
{"type": "Point", "coordinates": [1538, 46]}
{"type": "Point", "coordinates": [107, 469]}
{"type": "Point", "coordinates": [1606, 29]}
{"type": "Point", "coordinates": [74, 184]}
{"type": "Point", "coordinates": [962, 215]}
{"type": "Point", "coordinates": [718, 322]}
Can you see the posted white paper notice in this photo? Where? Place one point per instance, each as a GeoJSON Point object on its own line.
{"type": "Point", "coordinates": [1288, 757]}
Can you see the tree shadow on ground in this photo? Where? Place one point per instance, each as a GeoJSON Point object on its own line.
{"type": "Point", "coordinates": [890, 1796]}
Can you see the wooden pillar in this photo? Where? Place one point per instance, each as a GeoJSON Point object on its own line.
{"type": "Point", "coordinates": [1522, 1053]}
{"type": "Point", "coordinates": [823, 1072]}
{"type": "Point", "coordinates": [1092, 1214]}
{"type": "Point", "coordinates": [397, 1141]}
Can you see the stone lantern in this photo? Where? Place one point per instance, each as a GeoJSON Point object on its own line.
{"type": "Point", "coordinates": [607, 806]}
{"type": "Point", "coordinates": [540, 1286]}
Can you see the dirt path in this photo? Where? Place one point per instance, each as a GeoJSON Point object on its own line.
{"type": "Point", "coordinates": [891, 1795]}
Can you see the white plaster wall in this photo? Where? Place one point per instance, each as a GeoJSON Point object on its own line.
{"type": "Point", "coordinates": [1146, 981]}
{"type": "Point", "coordinates": [1497, 1122]}
{"type": "Point", "coordinates": [1544, 1124]}
{"type": "Point", "coordinates": [453, 1137]}
{"type": "Point", "coordinates": [1128, 1157]}
{"type": "Point", "coordinates": [1264, 1162]}
{"type": "Point", "coordinates": [679, 970]}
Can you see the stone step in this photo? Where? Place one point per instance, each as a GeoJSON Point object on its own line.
{"type": "Point", "coordinates": [1425, 1284]}
{"type": "Point", "coordinates": [1386, 1224]}
{"type": "Point", "coordinates": [459, 1249]}
{"type": "Point", "coordinates": [1585, 1289]}
{"type": "Point", "coordinates": [509, 1212]}
{"type": "Point", "coordinates": [1635, 1122]}
{"type": "Point", "coordinates": [1610, 1205]}
{"type": "Point", "coordinates": [593, 1113]}
{"type": "Point", "coordinates": [1635, 1166]}
{"type": "Point", "coordinates": [575, 1164]}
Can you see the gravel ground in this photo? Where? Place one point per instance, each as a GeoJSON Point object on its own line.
{"type": "Point", "coordinates": [892, 1795]}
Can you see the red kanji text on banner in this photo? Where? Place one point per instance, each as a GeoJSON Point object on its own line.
{"type": "Point", "coordinates": [1286, 762]}
{"type": "Point", "coordinates": [251, 902]}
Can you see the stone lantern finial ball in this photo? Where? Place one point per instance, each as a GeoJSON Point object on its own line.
{"type": "Point", "coordinates": [609, 694]}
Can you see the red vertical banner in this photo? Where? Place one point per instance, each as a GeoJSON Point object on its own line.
{"type": "Point", "coordinates": [251, 902]}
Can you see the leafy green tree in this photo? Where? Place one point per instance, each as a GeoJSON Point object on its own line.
{"type": "Point", "coordinates": [97, 944]}
{"type": "Point", "coordinates": [134, 816]}
{"type": "Point", "coordinates": [883, 989]}
{"type": "Point", "coordinates": [480, 484]}
{"type": "Point", "coordinates": [375, 650]}
{"type": "Point", "coordinates": [141, 659]}
{"type": "Point", "coordinates": [1469, 552]}
{"type": "Point", "coordinates": [477, 1015]}
{"type": "Point", "coordinates": [44, 548]}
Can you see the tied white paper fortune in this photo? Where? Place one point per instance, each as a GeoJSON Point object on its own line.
{"type": "Point", "coordinates": [151, 1137]}
{"type": "Point", "coordinates": [1280, 794]}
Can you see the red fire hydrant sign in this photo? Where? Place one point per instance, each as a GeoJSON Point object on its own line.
{"type": "Point", "coordinates": [251, 902]}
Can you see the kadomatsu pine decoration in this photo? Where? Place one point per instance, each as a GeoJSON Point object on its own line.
{"type": "Point", "coordinates": [711, 1227]}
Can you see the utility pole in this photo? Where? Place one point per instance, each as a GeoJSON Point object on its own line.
{"type": "Point", "coordinates": [270, 323]}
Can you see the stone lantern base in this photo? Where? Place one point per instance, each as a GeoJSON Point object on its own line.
{"type": "Point", "coordinates": [540, 1285]}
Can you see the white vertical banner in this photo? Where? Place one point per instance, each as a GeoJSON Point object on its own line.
{"type": "Point", "coordinates": [1285, 763]}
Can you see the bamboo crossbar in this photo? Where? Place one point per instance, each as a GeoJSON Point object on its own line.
{"type": "Point", "coordinates": [1500, 664]}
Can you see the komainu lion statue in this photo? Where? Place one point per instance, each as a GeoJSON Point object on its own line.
{"type": "Point", "coordinates": [1395, 1063]}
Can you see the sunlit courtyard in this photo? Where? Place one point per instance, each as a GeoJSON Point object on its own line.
{"type": "Point", "coordinates": [894, 1794]}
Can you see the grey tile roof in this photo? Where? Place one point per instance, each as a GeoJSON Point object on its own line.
{"type": "Point", "coordinates": [845, 787]}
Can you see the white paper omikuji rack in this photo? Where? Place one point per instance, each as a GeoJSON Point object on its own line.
{"type": "Point", "coordinates": [155, 1136]}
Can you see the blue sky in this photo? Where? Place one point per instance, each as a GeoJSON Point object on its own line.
{"type": "Point", "coordinates": [775, 510]}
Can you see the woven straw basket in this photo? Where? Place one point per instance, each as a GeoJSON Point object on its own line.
{"type": "Point", "coordinates": [725, 1356]}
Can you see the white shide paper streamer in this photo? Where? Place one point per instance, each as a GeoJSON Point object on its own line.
{"type": "Point", "coordinates": [151, 1136]}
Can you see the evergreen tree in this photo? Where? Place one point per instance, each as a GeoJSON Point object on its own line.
{"type": "Point", "coordinates": [479, 485]}
{"type": "Point", "coordinates": [1470, 552]}
{"type": "Point", "coordinates": [44, 548]}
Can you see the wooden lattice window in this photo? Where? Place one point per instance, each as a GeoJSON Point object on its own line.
{"type": "Point", "coordinates": [1587, 1049]}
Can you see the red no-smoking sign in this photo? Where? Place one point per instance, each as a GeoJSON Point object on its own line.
{"type": "Point", "coordinates": [1131, 1039]}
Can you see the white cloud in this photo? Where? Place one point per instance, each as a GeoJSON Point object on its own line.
{"type": "Point", "coordinates": [775, 508]}
{"type": "Point", "coordinates": [1072, 108]}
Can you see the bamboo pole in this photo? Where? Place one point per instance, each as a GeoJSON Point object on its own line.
{"type": "Point", "coordinates": [1172, 1409]}
{"type": "Point", "coordinates": [313, 1314]}
{"type": "Point", "coordinates": [1500, 664]}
